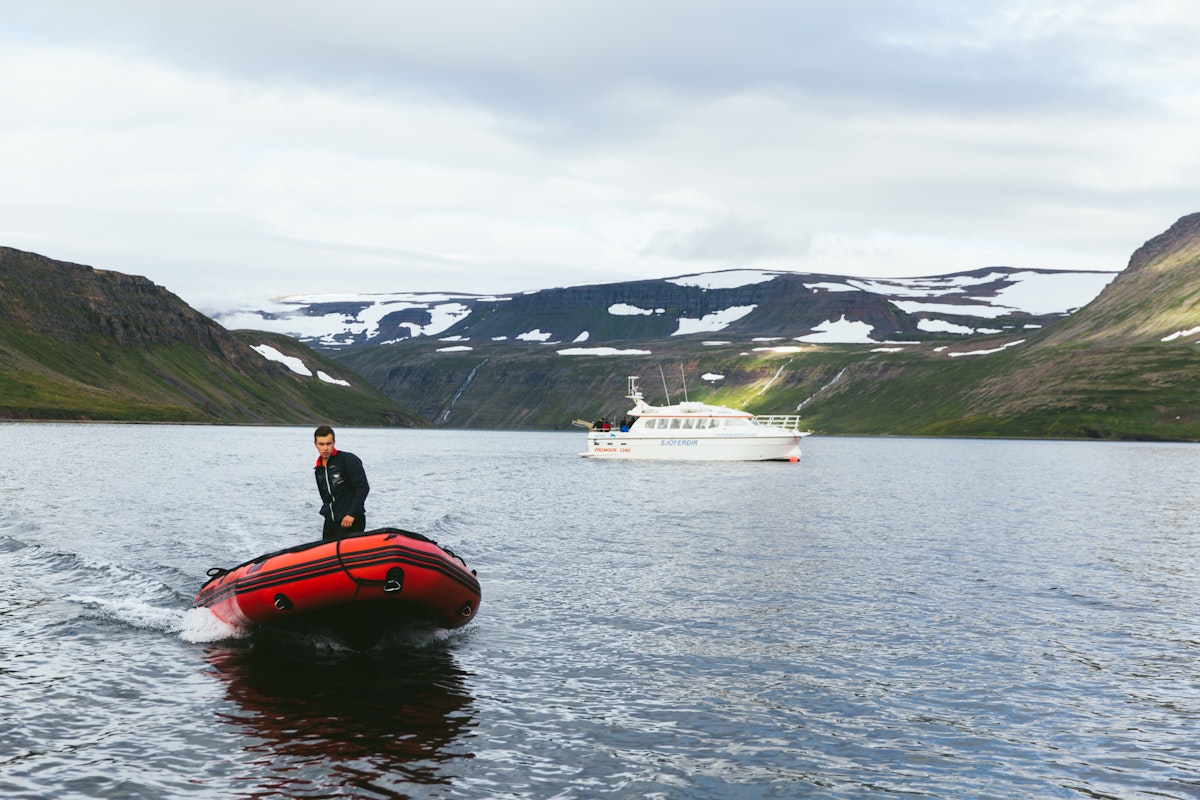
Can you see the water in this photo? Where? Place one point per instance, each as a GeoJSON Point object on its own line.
{"type": "Point", "coordinates": [889, 617]}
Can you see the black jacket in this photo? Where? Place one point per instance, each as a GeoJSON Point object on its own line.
{"type": "Point", "coordinates": [343, 485]}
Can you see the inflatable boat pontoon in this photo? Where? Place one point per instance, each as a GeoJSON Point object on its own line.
{"type": "Point", "coordinates": [358, 587]}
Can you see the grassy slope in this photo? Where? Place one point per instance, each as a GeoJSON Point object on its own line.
{"type": "Point", "coordinates": [45, 378]}
{"type": "Point", "coordinates": [1062, 391]}
{"type": "Point", "coordinates": [82, 343]}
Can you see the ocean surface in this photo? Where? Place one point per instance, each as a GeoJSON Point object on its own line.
{"type": "Point", "coordinates": [910, 618]}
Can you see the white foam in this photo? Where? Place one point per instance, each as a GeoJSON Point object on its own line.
{"type": "Point", "coordinates": [201, 625]}
{"type": "Point", "coordinates": [132, 611]}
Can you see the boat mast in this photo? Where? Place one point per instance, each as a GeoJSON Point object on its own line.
{"type": "Point", "coordinates": [664, 380]}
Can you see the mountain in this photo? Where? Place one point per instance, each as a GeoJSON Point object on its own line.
{"type": "Point", "coordinates": [732, 303]}
{"type": "Point", "coordinates": [993, 352]}
{"type": "Point", "coordinates": [83, 343]}
{"type": "Point", "coordinates": [950, 356]}
{"type": "Point", "coordinates": [764, 340]}
{"type": "Point", "coordinates": [1123, 367]}
{"type": "Point", "coordinates": [1155, 299]}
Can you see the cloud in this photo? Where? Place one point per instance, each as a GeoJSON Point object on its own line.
{"type": "Point", "coordinates": [719, 240]}
{"type": "Point", "coordinates": [231, 150]}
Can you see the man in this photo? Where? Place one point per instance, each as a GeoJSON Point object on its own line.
{"type": "Point", "coordinates": [342, 482]}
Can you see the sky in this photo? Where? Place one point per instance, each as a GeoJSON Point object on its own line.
{"type": "Point", "coordinates": [238, 151]}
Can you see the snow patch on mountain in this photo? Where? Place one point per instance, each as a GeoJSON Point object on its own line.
{"type": "Point", "coordinates": [831, 287]}
{"type": "Point", "coordinates": [717, 320]}
{"type": "Point", "coordinates": [938, 305]}
{"type": "Point", "coordinates": [840, 331]}
{"type": "Point", "coordinates": [725, 279]}
{"type": "Point", "coordinates": [327, 378]}
{"type": "Point", "coordinates": [626, 310]}
{"type": "Point", "coordinates": [1181, 334]}
{"type": "Point", "coordinates": [295, 364]}
{"type": "Point", "coordinates": [1042, 293]}
{"type": "Point", "coordinates": [988, 351]}
{"type": "Point", "coordinates": [941, 326]}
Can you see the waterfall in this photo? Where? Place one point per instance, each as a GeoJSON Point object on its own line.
{"type": "Point", "coordinates": [775, 377]}
{"type": "Point", "coordinates": [823, 388]}
{"type": "Point", "coordinates": [461, 389]}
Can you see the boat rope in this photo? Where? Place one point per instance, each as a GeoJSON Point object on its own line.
{"type": "Point", "coordinates": [358, 582]}
{"type": "Point", "coordinates": [392, 582]}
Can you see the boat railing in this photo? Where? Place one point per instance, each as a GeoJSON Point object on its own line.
{"type": "Point", "coordinates": [789, 422]}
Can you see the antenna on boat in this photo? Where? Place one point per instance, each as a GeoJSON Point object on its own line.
{"type": "Point", "coordinates": [684, 379]}
{"type": "Point", "coordinates": [664, 380]}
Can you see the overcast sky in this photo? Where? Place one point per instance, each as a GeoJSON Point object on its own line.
{"type": "Point", "coordinates": [231, 151]}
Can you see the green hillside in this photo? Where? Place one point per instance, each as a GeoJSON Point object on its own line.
{"type": "Point", "coordinates": [84, 344]}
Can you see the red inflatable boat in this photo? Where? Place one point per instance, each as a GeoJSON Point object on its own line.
{"type": "Point", "coordinates": [358, 587]}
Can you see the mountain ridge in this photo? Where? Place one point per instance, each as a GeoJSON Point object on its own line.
{"type": "Point", "coordinates": [1156, 296]}
{"type": "Point", "coordinates": [82, 343]}
{"type": "Point", "coordinates": [742, 302]}
{"type": "Point", "coordinates": [1115, 368]}
{"type": "Point", "coordinates": [978, 353]}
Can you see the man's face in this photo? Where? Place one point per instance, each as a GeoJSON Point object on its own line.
{"type": "Point", "coordinates": [324, 445]}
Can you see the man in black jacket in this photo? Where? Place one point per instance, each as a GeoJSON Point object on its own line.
{"type": "Point", "coordinates": [342, 482]}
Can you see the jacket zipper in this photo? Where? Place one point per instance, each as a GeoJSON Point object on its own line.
{"type": "Point", "coordinates": [329, 488]}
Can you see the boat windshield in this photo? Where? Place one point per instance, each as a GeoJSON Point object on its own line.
{"type": "Point", "coordinates": [697, 423]}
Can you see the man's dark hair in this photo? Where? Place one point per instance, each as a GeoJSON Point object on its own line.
{"type": "Point", "coordinates": [324, 430]}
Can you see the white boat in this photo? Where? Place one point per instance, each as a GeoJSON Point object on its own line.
{"type": "Point", "coordinates": [693, 432]}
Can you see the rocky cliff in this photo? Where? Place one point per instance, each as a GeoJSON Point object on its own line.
{"type": "Point", "coordinates": [1156, 298]}
{"type": "Point", "coordinates": [83, 343]}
